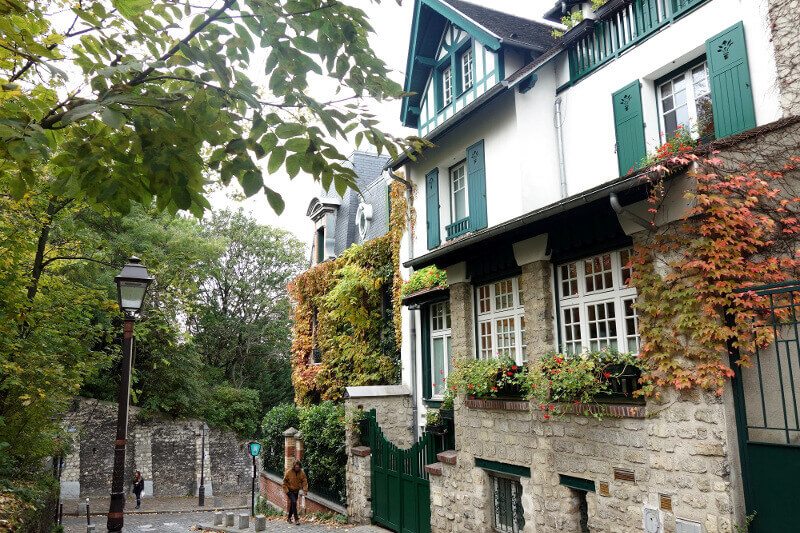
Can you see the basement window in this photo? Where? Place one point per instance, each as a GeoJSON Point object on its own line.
{"type": "Point", "coordinates": [507, 504]}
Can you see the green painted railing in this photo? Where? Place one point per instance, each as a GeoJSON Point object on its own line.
{"type": "Point", "coordinates": [458, 228]}
{"type": "Point", "coordinates": [624, 29]}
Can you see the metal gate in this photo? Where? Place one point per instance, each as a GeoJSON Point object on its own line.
{"type": "Point", "coordinates": [767, 415]}
{"type": "Point", "coordinates": [401, 496]}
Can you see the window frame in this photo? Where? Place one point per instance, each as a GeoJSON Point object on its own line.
{"type": "Point", "coordinates": [460, 164]}
{"type": "Point", "coordinates": [685, 72]}
{"type": "Point", "coordinates": [467, 74]}
{"type": "Point", "coordinates": [447, 74]}
{"type": "Point", "coordinates": [493, 316]}
{"type": "Point", "coordinates": [445, 334]}
{"type": "Point", "coordinates": [518, 518]}
{"type": "Point", "coordinates": [617, 295]}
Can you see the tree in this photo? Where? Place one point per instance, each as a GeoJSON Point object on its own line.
{"type": "Point", "coordinates": [242, 323]}
{"type": "Point", "coordinates": [125, 101]}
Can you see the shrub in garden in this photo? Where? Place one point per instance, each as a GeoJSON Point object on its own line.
{"type": "Point", "coordinates": [276, 421]}
{"type": "Point", "coordinates": [323, 428]}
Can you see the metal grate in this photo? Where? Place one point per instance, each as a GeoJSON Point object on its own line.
{"type": "Point", "coordinates": [624, 475]}
{"type": "Point", "coordinates": [508, 512]}
{"type": "Point", "coordinates": [604, 489]}
{"type": "Point", "coordinates": [666, 502]}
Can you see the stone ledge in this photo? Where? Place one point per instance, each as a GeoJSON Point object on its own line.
{"type": "Point", "coordinates": [447, 456]}
{"type": "Point", "coordinates": [434, 469]}
{"type": "Point", "coordinates": [360, 451]}
{"type": "Point", "coordinates": [619, 410]}
{"type": "Point", "coordinates": [506, 405]}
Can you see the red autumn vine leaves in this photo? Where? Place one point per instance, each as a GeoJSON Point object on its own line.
{"type": "Point", "coordinates": [738, 233]}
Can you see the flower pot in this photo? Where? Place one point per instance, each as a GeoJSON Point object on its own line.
{"type": "Point", "coordinates": [436, 429]}
{"type": "Point", "coordinates": [447, 414]}
{"type": "Point", "coordinates": [509, 390]}
{"type": "Point", "coordinates": [578, 31]}
{"type": "Point", "coordinates": [611, 8]}
{"type": "Point", "coordinates": [624, 378]}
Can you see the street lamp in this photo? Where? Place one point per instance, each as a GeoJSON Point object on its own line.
{"type": "Point", "coordinates": [255, 449]}
{"type": "Point", "coordinates": [201, 492]}
{"type": "Point", "coordinates": [132, 284]}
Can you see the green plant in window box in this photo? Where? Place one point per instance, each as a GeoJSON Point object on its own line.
{"type": "Point", "coordinates": [569, 21]}
{"type": "Point", "coordinates": [680, 142]}
{"type": "Point", "coordinates": [434, 422]}
{"type": "Point", "coordinates": [426, 278]}
{"type": "Point", "coordinates": [487, 378]}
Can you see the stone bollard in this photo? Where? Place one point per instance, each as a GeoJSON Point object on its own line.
{"type": "Point", "coordinates": [218, 518]}
{"type": "Point", "coordinates": [229, 519]}
{"type": "Point", "coordinates": [260, 523]}
{"type": "Point", "coordinates": [90, 528]}
{"type": "Point", "coordinates": [244, 521]}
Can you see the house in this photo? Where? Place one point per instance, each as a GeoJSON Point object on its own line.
{"type": "Point", "coordinates": [531, 200]}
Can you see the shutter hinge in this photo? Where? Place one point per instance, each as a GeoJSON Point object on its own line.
{"type": "Point", "coordinates": [615, 147]}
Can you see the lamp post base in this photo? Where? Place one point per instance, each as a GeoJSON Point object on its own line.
{"type": "Point", "coordinates": [201, 496]}
{"type": "Point", "coordinates": [116, 512]}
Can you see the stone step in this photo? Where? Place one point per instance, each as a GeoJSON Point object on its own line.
{"type": "Point", "coordinates": [447, 456]}
{"type": "Point", "coordinates": [434, 469]}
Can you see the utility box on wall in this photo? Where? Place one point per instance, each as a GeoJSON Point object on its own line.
{"type": "Point", "coordinates": [687, 526]}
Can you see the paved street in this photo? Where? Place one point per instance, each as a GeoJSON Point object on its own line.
{"type": "Point", "coordinates": [182, 522]}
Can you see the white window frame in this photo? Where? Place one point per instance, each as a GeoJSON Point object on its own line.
{"type": "Point", "coordinates": [467, 78]}
{"type": "Point", "coordinates": [488, 337]}
{"type": "Point", "coordinates": [692, 94]}
{"type": "Point", "coordinates": [574, 295]}
{"type": "Point", "coordinates": [463, 177]}
{"type": "Point", "coordinates": [447, 86]}
{"type": "Point", "coordinates": [443, 333]}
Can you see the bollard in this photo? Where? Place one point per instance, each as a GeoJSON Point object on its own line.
{"type": "Point", "coordinates": [218, 518]}
{"type": "Point", "coordinates": [229, 519]}
{"type": "Point", "coordinates": [90, 528]}
{"type": "Point", "coordinates": [260, 523]}
{"type": "Point", "coordinates": [244, 521]}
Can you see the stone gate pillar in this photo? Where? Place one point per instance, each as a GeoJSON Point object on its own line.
{"type": "Point", "coordinates": [298, 446]}
{"type": "Point", "coordinates": [289, 448]}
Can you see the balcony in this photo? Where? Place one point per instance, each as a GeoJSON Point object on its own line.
{"type": "Point", "coordinates": [458, 228]}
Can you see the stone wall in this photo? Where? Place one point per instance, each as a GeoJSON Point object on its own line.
{"type": "Point", "coordinates": [271, 489]}
{"type": "Point", "coordinates": [166, 451]}
{"type": "Point", "coordinates": [783, 15]}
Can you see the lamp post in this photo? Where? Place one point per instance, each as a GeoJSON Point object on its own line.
{"type": "Point", "coordinates": [201, 491]}
{"type": "Point", "coordinates": [132, 284]}
{"type": "Point", "coordinates": [255, 449]}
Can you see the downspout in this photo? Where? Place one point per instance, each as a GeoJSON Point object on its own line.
{"type": "Point", "coordinates": [562, 169]}
{"type": "Point", "coordinates": [413, 314]}
{"type": "Point", "coordinates": [619, 210]}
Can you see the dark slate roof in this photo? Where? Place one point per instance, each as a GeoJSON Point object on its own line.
{"type": "Point", "coordinates": [516, 30]}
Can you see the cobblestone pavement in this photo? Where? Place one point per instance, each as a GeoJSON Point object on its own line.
{"type": "Point", "coordinates": [183, 522]}
{"type": "Point", "coordinates": [161, 504]}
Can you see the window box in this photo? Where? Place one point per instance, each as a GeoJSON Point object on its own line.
{"type": "Point", "coordinates": [624, 380]}
{"type": "Point", "coordinates": [578, 31]}
{"type": "Point", "coordinates": [436, 429]}
{"type": "Point", "coordinates": [458, 228]}
{"type": "Point", "coordinates": [447, 414]}
{"type": "Point", "coordinates": [611, 8]}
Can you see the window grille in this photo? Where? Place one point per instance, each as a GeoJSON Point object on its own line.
{"type": "Point", "coordinates": [507, 504]}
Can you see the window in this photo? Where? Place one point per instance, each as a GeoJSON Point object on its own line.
{"type": "Point", "coordinates": [507, 504]}
{"type": "Point", "coordinates": [596, 304]}
{"type": "Point", "coordinates": [440, 346]}
{"type": "Point", "coordinates": [466, 70]}
{"type": "Point", "coordinates": [447, 86]}
{"type": "Point", "coordinates": [685, 101]}
{"type": "Point", "coordinates": [501, 320]}
{"type": "Point", "coordinates": [458, 188]}
{"type": "Point", "coordinates": [320, 245]}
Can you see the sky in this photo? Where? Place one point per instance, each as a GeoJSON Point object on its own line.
{"type": "Point", "coordinates": [392, 25]}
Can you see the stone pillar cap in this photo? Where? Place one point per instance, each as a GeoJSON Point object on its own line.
{"type": "Point", "coordinates": [298, 435]}
{"type": "Point", "coordinates": [291, 432]}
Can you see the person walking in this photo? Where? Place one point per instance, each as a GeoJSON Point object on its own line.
{"type": "Point", "coordinates": [294, 480]}
{"type": "Point", "coordinates": [138, 488]}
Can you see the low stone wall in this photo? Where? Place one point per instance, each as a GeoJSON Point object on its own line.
{"type": "Point", "coordinates": [166, 451]}
{"type": "Point", "coordinates": [271, 489]}
{"type": "Point", "coordinates": [677, 451]}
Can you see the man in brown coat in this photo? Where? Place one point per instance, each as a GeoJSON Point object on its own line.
{"type": "Point", "coordinates": [293, 481]}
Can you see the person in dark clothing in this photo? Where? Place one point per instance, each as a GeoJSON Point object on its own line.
{"type": "Point", "coordinates": [138, 487]}
{"type": "Point", "coordinates": [294, 480]}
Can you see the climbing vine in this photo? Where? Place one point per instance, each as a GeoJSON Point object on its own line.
{"type": "Point", "coordinates": [692, 277]}
{"type": "Point", "coordinates": [348, 310]}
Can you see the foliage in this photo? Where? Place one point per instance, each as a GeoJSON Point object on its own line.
{"type": "Point", "coordinates": [136, 100]}
{"type": "Point", "coordinates": [426, 278]}
{"type": "Point", "coordinates": [323, 430]}
{"type": "Point", "coordinates": [748, 520]}
{"type": "Point", "coordinates": [276, 421]}
{"type": "Point", "coordinates": [447, 401]}
{"type": "Point", "coordinates": [740, 231]}
{"type": "Point", "coordinates": [565, 378]}
{"type": "Point", "coordinates": [263, 507]}
{"type": "Point", "coordinates": [232, 408]}
{"type": "Point", "coordinates": [26, 503]}
{"type": "Point", "coordinates": [433, 417]}
{"type": "Point", "coordinates": [482, 378]}
{"type": "Point", "coordinates": [569, 21]}
{"type": "Point", "coordinates": [681, 142]}
{"type": "Point", "coordinates": [353, 422]}
{"type": "Point", "coordinates": [402, 219]}
{"type": "Point", "coordinates": [326, 518]}
{"type": "Point", "coordinates": [597, 4]}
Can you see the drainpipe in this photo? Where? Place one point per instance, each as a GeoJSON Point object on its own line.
{"type": "Point", "coordinates": [562, 170]}
{"type": "Point", "coordinates": [412, 313]}
{"type": "Point", "coordinates": [619, 210]}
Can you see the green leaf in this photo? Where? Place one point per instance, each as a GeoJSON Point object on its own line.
{"type": "Point", "coordinates": [293, 165]}
{"type": "Point", "coordinates": [275, 200]}
{"type": "Point", "coordinates": [112, 118]}
{"type": "Point", "coordinates": [298, 145]}
{"type": "Point", "coordinates": [276, 159]}
{"type": "Point", "coordinates": [252, 183]}
{"type": "Point", "coordinates": [289, 129]}
{"type": "Point", "coordinates": [79, 112]}
{"type": "Point", "coordinates": [132, 8]}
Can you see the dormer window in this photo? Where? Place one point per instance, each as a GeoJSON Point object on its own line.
{"type": "Point", "coordinates": [447, 86]}
{"type": "Point", "coordinates": [466, 70]}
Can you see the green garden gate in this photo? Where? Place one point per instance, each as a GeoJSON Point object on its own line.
{"type": "Point", "coordinates": [401, 496]}
{"type": "Point", "coordinates": [767, 415]}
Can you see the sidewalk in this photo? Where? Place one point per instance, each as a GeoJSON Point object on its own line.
{"type": "Point", "coordinates": [160, 505]}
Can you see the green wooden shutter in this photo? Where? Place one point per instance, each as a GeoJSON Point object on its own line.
{"type": "Point", "coordinates": [432, 208]}
{"type": "Point", "coordinates": [629, 127]}
{"type": "Point", "coordinates": [731, 95]}
{"type": "Point", "coordinates": [476, 186]}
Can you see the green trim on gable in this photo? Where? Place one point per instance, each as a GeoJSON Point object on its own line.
{"type": "Point", "coordinates": [573, 482]}
{"type": "Point", "coordinates": [503, 468]}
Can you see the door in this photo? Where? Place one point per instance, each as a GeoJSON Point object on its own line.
{"type": "Point", "coordinates": [401, 497]}
{"type": "Point", "coordinates": [768, 418]}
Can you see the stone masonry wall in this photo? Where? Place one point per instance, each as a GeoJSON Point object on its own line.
{"type": "Point", "coordinates": [166, 451]}
{"type": "Point", "coordinates": [537, 281]}
{"type": "Point", "coordinates": [783, 15]}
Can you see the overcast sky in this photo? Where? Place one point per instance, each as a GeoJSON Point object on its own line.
{"type": "Point", "coordinates": [392, 24]}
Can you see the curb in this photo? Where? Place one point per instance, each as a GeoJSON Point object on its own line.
{"type": "Point", "coordinates": [169, 511]}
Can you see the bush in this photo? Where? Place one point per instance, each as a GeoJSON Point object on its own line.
{"type": "Point", "coordinates": [323, 428]}
{"type": "Point", "coordinates": [276, 421]}
{"type": "Point", "coordinates": [232, 408]}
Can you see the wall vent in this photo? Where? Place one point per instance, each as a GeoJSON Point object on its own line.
{"type": "Point", "coordinates": [624, 475]}
{"type": "Point", "coordinates": [604, 490]}
{"type": "Point", "coordinates": [666, 502]}
{"type": "Point", "coordinates": [687, 526]}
